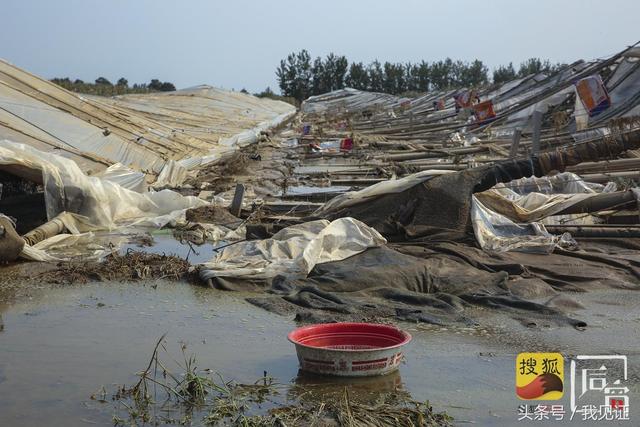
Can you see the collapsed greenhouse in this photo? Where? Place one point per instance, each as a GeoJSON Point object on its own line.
{"type": "Point", "coordinates": [361, 205]}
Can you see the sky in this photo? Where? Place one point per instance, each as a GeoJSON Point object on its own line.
{"type": "Point", "coordinates": [238, 44]}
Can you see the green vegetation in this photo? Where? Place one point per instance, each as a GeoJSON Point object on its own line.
{"type": "Point", "coordinates": [104, 87]}
{"type": "Point", "coordinates": [299, 77]}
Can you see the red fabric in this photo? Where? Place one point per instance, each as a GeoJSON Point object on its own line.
{"type": "Point", "coordinates": [346, 144]}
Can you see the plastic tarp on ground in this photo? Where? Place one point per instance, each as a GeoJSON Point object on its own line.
{"type": "Point", "coordinates": [442, 282]}
{"type": "Point", "coordinates": [497, 233]}
{"type": "Point", "coordinates": [351, 198]}
{"type": "Point", "coordinates": [97, 204]}
{"type": "Point", "coordinates": [293, 251]}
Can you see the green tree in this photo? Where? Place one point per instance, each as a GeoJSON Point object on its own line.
{"type": "Point", "coordinates": [456, 75]}
{"type": "Point", "coordinates": [504, 74]}
{"type": "Point", "coordinates": [376, 76]}
{"type": "Point", "coordinates": [441, 74]}
{"type": "Point", "coordinates": [167, 87]}
{"type": "Point", "coordinates": [319, 83]}
{"type": "Point", "coordinates": [358, 78]}
{"type": "Point", "coordinates": [267, 93]}
{"type": "Point", "coordinates": [103, 81]}
{"type": "Point", "coordinates": [474, 74]}
{"type": "Point", "coordinates": [294, 75]}
{"type": "Point", "coordinates": [422, 76]}
{"type": "Point", "coordinates": [411, 77]}
{"type": "Point", "coordinates": [339, 72]}
{"type": "Point", "coordinates": [533, 66]}
{"type": "Point", "coordinates": [155, 84]}
{"type": "Point", "coordinates": [395, 81]}
{"type": "Point", "coordinates": [299, 78]}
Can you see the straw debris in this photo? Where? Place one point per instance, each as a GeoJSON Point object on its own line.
{"type": "Point", "coordinates": [132, 266]}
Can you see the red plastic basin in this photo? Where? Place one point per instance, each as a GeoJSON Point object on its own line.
{"type": "Point", "coordinates": [349, 349]}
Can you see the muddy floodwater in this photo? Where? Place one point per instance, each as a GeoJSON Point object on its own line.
{"type": "Point", "coordinates": [59, 345]}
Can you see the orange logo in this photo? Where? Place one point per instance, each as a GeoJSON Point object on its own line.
{"type": "Point", "coordinates": [539, 376]}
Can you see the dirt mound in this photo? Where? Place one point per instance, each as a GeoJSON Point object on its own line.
{"type": "Point", "coordinates": [212, 215]}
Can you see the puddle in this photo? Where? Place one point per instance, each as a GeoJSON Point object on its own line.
{"type": "Point", "coordinates": [308, 169]}
{"type": "Point", "coordinates": [330, 145]}
{"type": "Point", "coordinates": [165, 243]}
{"type": "Point", "coordinates": [293, 142]}
{"type": "Point", "coordinates": [301, 190]}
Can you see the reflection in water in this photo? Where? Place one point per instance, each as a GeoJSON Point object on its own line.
{"type": "Point", "coordinates": [168, 245]}
{"type": "Point", "coordinates": [313, 387]}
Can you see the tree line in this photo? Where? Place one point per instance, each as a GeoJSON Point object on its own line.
{"type": "Point", "coordinates": [103, 87]}
{"type": "Point", "coordinates": [300, 77]}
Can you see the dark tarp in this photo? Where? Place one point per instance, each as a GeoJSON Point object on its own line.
{"type": "Point", "coordinates": [439, 282]}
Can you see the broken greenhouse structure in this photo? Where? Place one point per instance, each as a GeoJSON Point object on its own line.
{"type": "Point", "coordinates": [359, 206]}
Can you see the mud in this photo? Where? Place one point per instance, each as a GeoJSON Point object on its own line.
{"type": "Point", "coordinates": [211, 214]}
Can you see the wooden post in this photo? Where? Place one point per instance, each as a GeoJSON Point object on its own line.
{"type": "Point", "coordinates": [513, 152]}
{"type": "Point", "coordinates": [537, 127]}
{"type": "Point", "coordinates": [238, 197]}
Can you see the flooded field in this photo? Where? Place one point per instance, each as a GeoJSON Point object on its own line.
{"type": "Point", "coordinates": [59, 348]}
{"type": "Point", "coordinates": [61, 345]}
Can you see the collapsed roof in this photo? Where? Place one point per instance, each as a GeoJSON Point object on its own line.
{"type": "Point", "coordinates": [143, 132]}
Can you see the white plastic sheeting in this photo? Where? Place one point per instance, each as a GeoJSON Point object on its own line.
{"type": "Point", "coordinates": [63, 247]}
{"type": "Point", "coordinates": [509, 217]}
{"type": "Point", "coordinates": [530, 207]}
{"type": "Point", "coordinates": [348, 99]}
{"type": "Point", "coordinates": [294, 251]}
{"type": "Point", "coordinates": [224, 150]}
{"type": "Point", "coordinates": [562, 183]}
{"type": "Point", "coordinates": [143, 132]}
{"type": "Point", "coordinates": [496, 233]}
{"type": "Point", "coordinates": [106, 204]}
{"type": "Point", "coordinates": [124, 177]}
{"type": "Point", "coordinates": [226, 120]}
{"type": "Point", "coordinates": [98, 204]}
